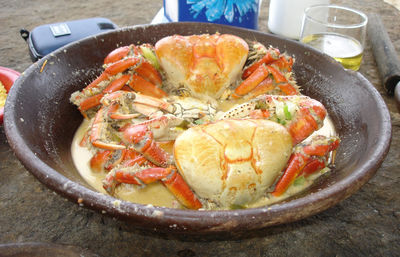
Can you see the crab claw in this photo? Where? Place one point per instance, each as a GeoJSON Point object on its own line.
{"type": "Point", "coordinates": [146, 70]}
{"type": "Point", "coordinates": [309, 118]}
{"type": "Point", "coordinates": [136, 104]}
{"type": "Point", "coordinates": [142, 140]}
{"type": "Point", "coordinates": [252, 81]}
{"type": "Point", "coordinates": [271, 55]}
{"type": "Point", "coordinates": [117, 54]}
{"type": "Point", "coordinates": [267, 73]}
{"type": "Point", "coordinates": [106, 159]}
{"type": "Point", "coordinates": [99, 160]}
{"type": "Point", "coordinates": [141, 85]}
{"type": "Point", "coordinates": [97, 133]}
{"type": "Point", "coordinates": [264, 79]}
{"type": "Point", "coordinates": [168, 176]}
{"type": "Point", "coordinates": [125, 68]}
{"type": "Point", "coordinates": [306, 159]}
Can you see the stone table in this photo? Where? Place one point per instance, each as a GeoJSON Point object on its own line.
{"type": "Point", "coordinates": [366, 224]}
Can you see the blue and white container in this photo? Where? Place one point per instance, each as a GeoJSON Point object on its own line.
{"type": "Point", "coordinates": [240, 13]}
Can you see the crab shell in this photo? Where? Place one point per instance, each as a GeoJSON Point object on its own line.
{"type": "Point", "coordinates": [232, 162]}
{"type": "Point", "coordinates": [205, 64]}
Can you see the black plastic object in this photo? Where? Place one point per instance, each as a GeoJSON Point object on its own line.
{"type": "Point", "coordinates": [385, 56]}
{"type": "Point", "coordinates": [44, 39]}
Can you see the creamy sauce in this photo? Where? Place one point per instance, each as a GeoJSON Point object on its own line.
{"type": "Point", "coordinates": [155, 193]}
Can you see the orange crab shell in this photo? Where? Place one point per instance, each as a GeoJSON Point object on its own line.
{"type": "Point", "coordinates": [232, 162]}
{"type": "Point", "coordinates": [205, 64]}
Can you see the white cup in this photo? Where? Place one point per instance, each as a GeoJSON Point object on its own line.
{"type": "Point", "coordinates": [286, 16]}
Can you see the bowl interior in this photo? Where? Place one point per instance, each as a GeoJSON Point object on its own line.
{"type": "Point", "coordinates": [40, 123]}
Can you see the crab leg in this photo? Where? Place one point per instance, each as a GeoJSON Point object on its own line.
{"type": "Point", "coordinates": [113, 114]}
{"type": "Point", "coordinates": [117, 84]}
{"type": "Point", "coordinates": [132, 157]}
{"type": "Point", "coordinates": [153, 102]}
{"type": "Point", "coordinates": [251, 82]}
{"type": "Point", "coordinates": [288, 89]}
{"type": "Point", "coordinates": [94, 100]}
{"type": "Point", "coordinates": [97, 162]}
{"type": "Point", "coordinates": [312, 166]}
{"type": "Point", "coordinates": [142, 140]}
{"type": "Point", "coordinates": [177, 185]}
{"type": "Point", "coordinates": [90, 102]}
{"type": "Point", "coordinates": [121, 65]}
{"type": "Point", "coordinates": [278, 76]}
{"type": "Point", "coordinates": [141, 135]}
{"type": "Point", "coordinates": [264, 87]}
{"type": "Point", "coordinates": [103, 76]}
{"type": "Point", "coordinates": [271, 56]}
{"type": "Point", "coordinates": [112, 70]}
{"type": "Point", "coordinates": [117, 54]}
{"type": "Point", "coordinates": [254, 84]}
{"type": "Point", "coordinates": [309, 119]}
{"type": "Point", "coordinates": [106, 159]}
{"type": "Point", "coordinates": [146, 70]}
{"type": "Point", "coordinates": [143, 104]}
{"type": "Point", "coordinates": [139, 160]}
{"type": "Point", "coordinates": [141, 85]}
{"type": "Point", "coordinates": [283, 63]}
{"type": "Point", "coordinates": [168, 176]}
{"type": "Point", "coordinates": [146, 82]}
{"type": "Point", "coordinates": [97, 130]}
{"type": "Point", "coordinates": [305, 156]}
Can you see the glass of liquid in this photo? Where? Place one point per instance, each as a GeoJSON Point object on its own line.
{"type": "Point", "coordinates": [338, 31]}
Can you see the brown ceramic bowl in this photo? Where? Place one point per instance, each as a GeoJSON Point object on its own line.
{"type": "Point", "coordinates": [40, 123]}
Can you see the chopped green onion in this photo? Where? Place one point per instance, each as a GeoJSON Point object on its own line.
{"type": "Point", "coordinates": [115, 138]}
{"type": "Point", "coordinates": [288, 115]}
{"type": "Point", "coordinates": [150, 56]}
{"type": "Point", "coordinates": [299, 181]}
{"type": "Point", "coordinates": [282, 122]}
{"type": "Point", "coordinates": [198, 122]}
{"type": "Point", "coordinates": [324, 170]}
{"type": "Point", "coordinates": [236, 207]}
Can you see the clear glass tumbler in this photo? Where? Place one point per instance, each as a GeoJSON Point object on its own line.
{"type": "Point", "coordinates": [337, 31]}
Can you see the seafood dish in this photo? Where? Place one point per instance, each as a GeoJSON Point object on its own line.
{"type": "Point", "coordinates": [204, 122]}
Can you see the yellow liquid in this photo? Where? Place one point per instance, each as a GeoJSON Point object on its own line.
{"type": "Point", "coordinates": [346, 50]}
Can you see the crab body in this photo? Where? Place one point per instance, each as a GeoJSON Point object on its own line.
{"type": "Point", "coordinates": [226, 172]}
{"type": "Point", "coordinates": [205, 65]}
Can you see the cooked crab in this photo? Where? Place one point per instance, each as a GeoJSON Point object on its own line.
{"type": "Point", "coordinates": [218, 159]}
{"type": "Point", "coordinates": [236, 160]}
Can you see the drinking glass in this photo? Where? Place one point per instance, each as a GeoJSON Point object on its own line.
{"type": "Point", "coordinates": [337, 31]}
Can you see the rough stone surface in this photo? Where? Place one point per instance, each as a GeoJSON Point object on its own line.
{"type": "Point", "coordinates": [366, 224]}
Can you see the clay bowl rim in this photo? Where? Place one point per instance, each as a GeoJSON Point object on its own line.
{"type": "Point", "coordinates": [189, 221]}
